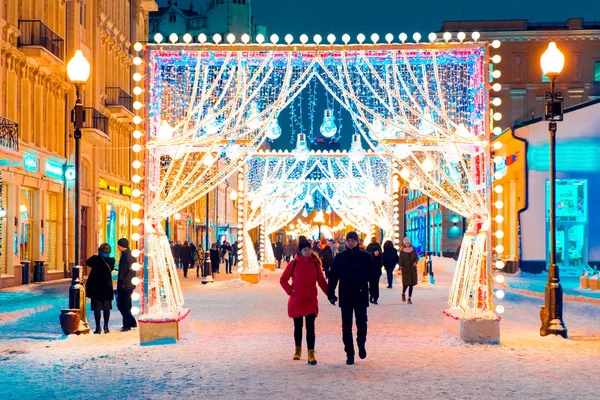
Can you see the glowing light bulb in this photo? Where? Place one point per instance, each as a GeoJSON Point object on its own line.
{"type": "Point", "coordinates": [231, 38]}
{"type": "Point", "coordinates": [475, 36]}
{"type": "Point", "coordinates": [136, 207]}
{"type": "Point", "coordinates": [499, 294]}
{"type": "Point", "coordinates": [496, 87]}
{"type": "Point", "coordinates": [499, 219]}
{"type": "Point", "coordinates": [136, 178]}
{"type": "Point", "coordinates": [427, 165]}
{"type": "Point", "coordinates": [303, 38]}
{"type": "Point", "coordinates": [498, 189]}
{"type": "Point", "coordinates": [135, 296]}
{"type": "Point", "coordinates": [497, 101]}
{"type": "Point", "coordinates": [499, 264]}
{"type": "Point", "coordinates": [461, 36]}
{"type": "Point", "coordinates": [217, 38]}
{"type": "Point", "coordinates": [135, 253]}
{"type": "Point", "coordinates": [345, 38]}
{"type": "Point", "coordinates": [173, 38]}
{"type": "Point", "coordinates": [135, 310]}
{"type": "Point", "coordinates": [158, 38]}
{"type": "Point", "coordinates": [137, 60]}
{"type": "Point", "coordinates": [136, 148]}
{"type": "Point", "coordinates": [389, 38]}
{"type": "Point", "coordinates": [499, 234]}
{"type": "Point", "coordinates": [137, 134]}
{"type": "Point", "coordinates": [202, 38]}
{"type": "Point", "coordinates": [136, 164]}
{"type": "Point", "coordinates": [403, 36]}
{"type": "Point", "coordinates": [497, 130]}
{"type": "Point", "coordinates": [137, 77]}
{"type": "Point", "coordinates": [416, 37]}
{"type": "Point", "coordinates": [317, 39]}
{"type": "Point", "coordinates": [497, 116]}
{"type": "Point", "coordinates": [136, 193]}
{"type": "Point", "coordinates": [496, 59]}
{"type": "Point", "coordinates": [498, 159]}
{"type": "Point", "coordinates": [496, 44]}
{"type": "Point", "coordinates": [500, 278]}
{"type": "Point", "coordinates": [432, 37]}
{"type": "Point", "coordinates": [187, 38]}
{"type": "Point", "coordinates": [496, 74]}
{"type": "Point", "coordinates": [138, 46]}
{"type": "Point", "coordinates": [447, 36]}
{"type": "Point", "coordinates": [499, 204]}
{"type": "Point", "coordinates": [274, 38]}
{"type": "Point", "coordinates": [361, 38]}
{"type": "Point", "coordinates": [289, 38]}
{"type": "Point", "coordinates": [374, 38]}
{"type": "Point", "coordinates": [137, 105]}
{"type": "Point", "coordinates": [135, 280]}
{"type": "Point", "coordinates": [245, 38]}
{"type": "Point", "coordinates": [137, 120]}
{"type": "Point", "coordinates": [500, 309]}
{"type": "Point", "coordinates": [499, 249]}
{"type": "Point", "coordinates": [177, 216]}
{"type": "Point", "coordinates": [135, 236]}
{"type": "Point", "coordinates": [137, 90]}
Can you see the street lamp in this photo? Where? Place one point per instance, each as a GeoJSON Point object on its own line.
{"type": "Point", "coordinates": [78, 70]}
{"type": "Point", "coordinates": [552, 63]}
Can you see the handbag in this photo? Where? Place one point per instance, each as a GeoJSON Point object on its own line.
{"type": "Point", "coordinates": [112, 275]}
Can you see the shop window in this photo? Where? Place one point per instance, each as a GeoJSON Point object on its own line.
{"type": "Point", "coordinates": [111, 228]}
{"type": "Point", "coordinates": [26, 224]}
{"type": "Point", "coordinates": [596, 71]}
{"type": "Point", "coordinates": [571, 200]}
{"type": "Point", "coordinates": [51, 230]}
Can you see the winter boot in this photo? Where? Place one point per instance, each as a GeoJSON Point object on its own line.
{"type": "Point", "coordinates": [106, 329]}
{"type": "Point", "coordinates": [349, 360]}
{"type": "Point", "coordinates": [362, 352]}
{"type": "Point", "coordinates": [297, 353]}
{"type": "Point", "coordinates": [98, 330]}
{"type": "Point", "coordinates": [311, 357]}
{"type": "Point", "coordinates": [409, 301]}
{"type": "Point", "coordinates": [403, 297]}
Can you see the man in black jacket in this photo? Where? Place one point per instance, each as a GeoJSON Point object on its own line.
{"type": "Point", "coordinates": [124, 286]}
{"type": "Point", "coordinates": [354, 270]}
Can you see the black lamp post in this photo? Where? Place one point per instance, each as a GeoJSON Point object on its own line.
{"type": "Point", "coordinates": [552, 62]}
{"type": "Point", "coordinates": [78, 70]}
{"type": "Point", "coordinates": [207, 274]}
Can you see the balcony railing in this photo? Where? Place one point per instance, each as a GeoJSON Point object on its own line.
{"type": "Point", "coordinates": [115, 96]}
{"type": "Point", "coordinates": [35, 33]}
{"type": "Point", "coordinates": [9, 134]}
{"type": "Point", "coordinates": [94, 119]}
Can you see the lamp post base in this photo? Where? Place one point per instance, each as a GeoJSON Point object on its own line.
{"type": "Point", "coordinates": [551, 311]}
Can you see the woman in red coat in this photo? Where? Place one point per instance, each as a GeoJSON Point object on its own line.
{"type": "Point", "coordinates": [306, 272]}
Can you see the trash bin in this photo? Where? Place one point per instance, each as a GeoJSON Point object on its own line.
{"type": "Point", "coordinates": [25, 272]}
{"type": "Point", "coordinates": [38, 271]}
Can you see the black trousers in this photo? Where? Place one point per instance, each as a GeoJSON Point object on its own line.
{"type": "Point", "coordinates": [390, 275]}
{"type": "Point", "coordinates": [348, 312]}
{"type": "Point", "coordinates": [186, 266]}
{"type": "Point", "coordinates": [310, 331]}
{"type": "Point", "coordinates": [124, 306]}
{"type": "Point", "coordinates": [410, 290]}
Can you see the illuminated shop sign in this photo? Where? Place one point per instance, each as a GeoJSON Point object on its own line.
{"type": "Point", "coordinates": [103, 184]}
{"type": "Point", "coordinates": [54, 169]}
{"type": "Point", "coordinates": [30, 163]}
{"type": "Point", "coordinates": [70, 173]}
{"type": "Point", "coordinates": [125, 190]}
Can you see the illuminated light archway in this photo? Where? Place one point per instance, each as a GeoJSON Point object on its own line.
{"type": "Point", "coordinates": [422, 108]}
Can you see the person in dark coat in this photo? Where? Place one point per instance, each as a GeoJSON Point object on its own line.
{"type": "Point", "coordinates": [228, 257]}
{"type": "Point", "coordinates": [373, 243]}
{"type": "Point", "coordinates": [390, 259]}
{"type": "Point", "coordinates": [326, 256]}
{"type": "Point", "coordinates": [306, 273]}
{"type": "Point", "coordinates": [235, 248]}
{"type": "Point", "coordinates": [176, 254]}
{"type": "Point", "coordinates": [408, 264]}
{"type": "Point", "coordinates": [355, 272]}
{"type": "Point", "coordinates": [278, 252]}
{"type": "Point", "coordinates": [377, 256]}
{"type": "Point", "coordinates": [198, 259]}
{"type": "Point", "coordinates": [215, 258]}
{"type": "Point", "coordinates": [186, 257]}
{"type": "Point", "coordinates": [125, 287]}
{"type": "Point", "coordinates": [99, 287]}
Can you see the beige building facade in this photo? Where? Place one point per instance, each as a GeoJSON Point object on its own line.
{"type": "Point", "coordinates": [37, 38]}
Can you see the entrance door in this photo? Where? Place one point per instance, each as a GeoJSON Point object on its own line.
{"type": "Point", "coordinates": [84, 236]}
{"type": "Point", "coordinates": [571, 253]}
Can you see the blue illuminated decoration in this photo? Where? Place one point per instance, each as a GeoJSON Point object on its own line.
{"type": "Point", "coordinates": [15, 243]}
{"type": "Point", "coordinates": [54, 169]}
{"type": "Point", "coordinates": [571, 156]}
{"type": "Point", "coordinates": [111, 228]}
{"type": "Point", "coordinates": [30, 163]}
{"type": "Point", "coordinates": [328, 127]}
{"type": "Point", "coordinates": [42, 244]}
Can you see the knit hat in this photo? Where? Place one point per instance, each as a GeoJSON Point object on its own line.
{"type": "Point", "coordinates": [352, 235]}
{"type": "Point", "coordinates": [303, 244]}
{"type": "Point", "coordinates": [123, 243]}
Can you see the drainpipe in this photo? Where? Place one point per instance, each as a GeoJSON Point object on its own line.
{"type": "Point", "coordinates": [522, 210]}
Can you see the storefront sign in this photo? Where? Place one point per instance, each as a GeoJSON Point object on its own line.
{"type": "Point", "coordinates": [30, 163]}
{"type": "Point", "coordinates": [125, 190]}
{"type": "Point", "coordinates": [54, 169]}
{"type": "Point", "coordinates": [103, 184]}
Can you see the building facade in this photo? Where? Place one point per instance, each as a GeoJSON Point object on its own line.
{"type": "Point", "coordinates": [204, 16]}
{"type": "Point", "coordinates": [36, 136]}
{"type": "Point", "coordinates": [577, 184]}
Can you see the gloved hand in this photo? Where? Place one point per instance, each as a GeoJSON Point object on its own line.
{"type": "Point", "coordinates": [373, 300]}
{"type": "Point", "coordinates": [332, 300]}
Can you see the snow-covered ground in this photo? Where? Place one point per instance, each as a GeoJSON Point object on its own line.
{"type": "Point", "coordinates": [240, 347]}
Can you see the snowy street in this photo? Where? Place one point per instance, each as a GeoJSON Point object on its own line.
{"type": "Point", "coordinates": [241, 344]}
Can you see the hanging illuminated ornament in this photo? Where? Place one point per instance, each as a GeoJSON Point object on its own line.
{"type": "Point", "coordinates": [233, 150]}
{"type": "Point", "coordinates": [356, 153]}
{"type": "Point", "coordinates": [254, 119]}
{"type": "Point", "coordinates": [213, 126]}
{"type": "Point", "coordinates": [425, 126]}
{"type": "Point", "coordinates": [452, 155]}
{"type": "Point", "coordinates": [396, 129]}
{"type": "Point", "coordinates": [165, 131]}
{"type": "Point", "coordinates": [301, 151]}
{"type": "Point", "coordinates": [273, 130]}
{"type": "Point", "coordinates": [328, 127]}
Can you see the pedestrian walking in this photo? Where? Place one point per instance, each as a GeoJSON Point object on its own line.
{"type": "Point", "coordinates": [176, 256]}
{"type": "Point", "coordinates": [354, 271]}
{"type": "Point", "coordinates": [377, 256]}
{"type": "Point", "coordinates": [99, 287]}
{"type": "Point", "coordinates": [125, 287]}
{"type": "Point", "coordinates": [186, 257]}
{"type": "Point", "coordinates": [408, 264]}
{"type": "Point", "coordinates": [278, 252]}
{"type": "Point", "coordinates": [390, 259]}
{"type": "Point", "coordinates": [228, 256]}
{"type": "Point", "coordinates": [373, 243]}
{"type": "Point", "coordinates": [326, 256]}
{"type": "Point", "coordinates": [235, 248]}
{"type": "Point", "coordinates": [215, 258]}
{"type": "Point", "coordinates": [303, 306]}
{"type": "Point", "coordinates": [199, 259]}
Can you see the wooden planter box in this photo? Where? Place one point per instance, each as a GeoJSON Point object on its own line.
{"type": "Point", "coordinates": [251, 278]}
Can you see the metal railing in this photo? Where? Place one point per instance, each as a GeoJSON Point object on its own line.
{"type": "Point", "coordinates": [115, 96]}
{"type": "Point", "coordinates": [9, 134]}
{"type": "Point", "coordinates": [36, 33]}
{"type": "Point", "coordinates": [95, 119]}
